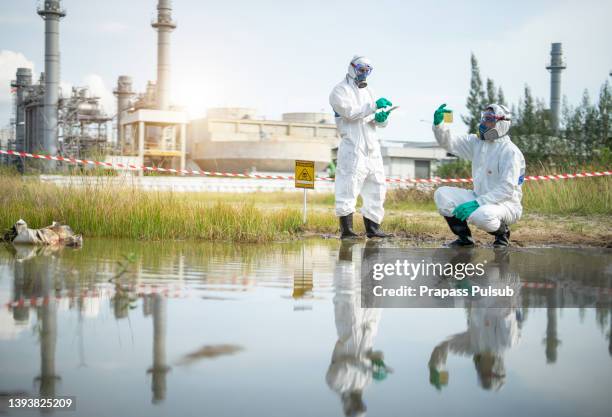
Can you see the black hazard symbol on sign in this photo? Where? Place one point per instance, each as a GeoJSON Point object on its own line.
{"type": "Point", "coordinates": [304, 175]}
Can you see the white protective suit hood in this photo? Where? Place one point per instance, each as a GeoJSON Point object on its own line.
{"type": "Point", "coordinates": [350, 72]}
{"type": "Point", "coordinates": [501, 127]}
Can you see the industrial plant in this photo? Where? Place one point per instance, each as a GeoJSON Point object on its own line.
{"type": "Point", "coordinates": [147, 130]}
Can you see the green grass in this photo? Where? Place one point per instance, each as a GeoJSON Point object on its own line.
{"type": "Point", "coordinates": [584, 196]}
{"type": "Point", "coordinates": [102, 210]}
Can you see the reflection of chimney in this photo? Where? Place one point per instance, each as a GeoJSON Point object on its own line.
{"type": "Point", "coordinates": [124, 93]}
{"type": "Point", "coordinates": [555, 67]}
{"type": "Point", "coordinates": [159, 369]}
{"type": "Point", "coordinates": [164, 25]}
{"type": "Point", "coordinates": [551, 327]}
{"type": "Point", "coordinates": [51, 12]}
{"type": "Point", "coordinates": [48, 334]}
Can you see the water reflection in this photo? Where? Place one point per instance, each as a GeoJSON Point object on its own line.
{"type": "Point", "coordinates": [491, 329]}
{"type": "Point", "coordinates": [160, 367]}
{"type": "Point", "coordinates": [354, 362]}
{"type": "Point", "coordinates": [254, 304]}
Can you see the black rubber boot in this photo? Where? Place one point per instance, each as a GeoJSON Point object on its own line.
{"type": "Point", "coordinates": [502, 236]}
{"type": "Point", "coordinates": [373, 229]}
{"type": "Point", "coordinates": [462, 230]}
{"type": "Point", "coordinates": [346, 227]}
{"type": "Point", "coordinates": [345, 253]}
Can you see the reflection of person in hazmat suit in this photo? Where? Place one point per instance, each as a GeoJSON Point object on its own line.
{"type": "Point", "coordinates": [493, 328]}
{"type": "Point", "coordinates": [498, 171]}
{"type": "Point", "coordinates": [359, 169]}
{"type": "Point", "coordinates": [354, 363]}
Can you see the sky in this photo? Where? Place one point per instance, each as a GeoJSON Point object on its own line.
{"type": "Point", "coordinates": [286, 55]}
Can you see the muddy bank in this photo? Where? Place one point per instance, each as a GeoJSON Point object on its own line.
{"type": "Point", "coordinates": [429, 229]}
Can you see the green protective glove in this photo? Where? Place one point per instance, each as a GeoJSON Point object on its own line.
{"type": "Point", "coordinates": [463, 211]}
{"type": "Point", "coordinates": [379, 370]}
{"type": "Point", "coordinates": [439, 114]}
{"type": "Point", "coordinates": [381, 116]}
{"type": "Point", "coordinates": [383, 102]}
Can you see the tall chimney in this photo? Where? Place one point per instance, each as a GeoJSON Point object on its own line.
{"type": "Point", "coordinates": [555, 67]}
{"type": "Point", "coordinates": [164, 25]}
{"type": "Point", "coordinates": [21, 83]}
{"type": "Point", "coordinates": [51, 11]}
{"type": "Point", "coordinates": [124, 93]}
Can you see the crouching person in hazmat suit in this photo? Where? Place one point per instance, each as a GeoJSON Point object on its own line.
{"type": "Point", "coordinates": [354, 363]}
{"type": "Point", "coordinates": [360, 166]}
{"type": "Point", "coordinates": [498, 171]}
{"type": "Point", "coordinates": [493, 328]}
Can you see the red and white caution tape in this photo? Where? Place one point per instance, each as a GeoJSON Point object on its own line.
{"type": "Point", "coordinates": [141, 290]}
{"type": "Point", "coordinates": [281, 177]}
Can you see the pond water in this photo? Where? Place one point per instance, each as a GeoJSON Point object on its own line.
{"type": "Point", "coordinates": [157, 329]}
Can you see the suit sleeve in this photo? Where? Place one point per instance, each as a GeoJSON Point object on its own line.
{"type": "Point", "coordinates": [461, 145]}
{"type": "Point", "coordinates": [347, 108]}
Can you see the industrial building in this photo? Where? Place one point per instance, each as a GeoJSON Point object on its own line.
{"type": "Point", "coordinates": [151, 132]}
{"type": "Point", "coordinates": [82, 125]}
{"type": "Point", "coordinates": [44, 121]}
{"type": "Point", "coordinates": [412, 159]}
{"type": "Point", "coordinates": [234, 139]}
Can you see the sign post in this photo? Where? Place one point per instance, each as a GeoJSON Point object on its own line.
{"type": "Point", "coordinates": [304, 178]}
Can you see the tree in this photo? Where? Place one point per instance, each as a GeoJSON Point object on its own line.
{"type": "Point", "coordinates": [591, 129]}
{"type": "Point", "coordinates": [528, 116]}
{"type": "Point", "coordinates": [501, 99]}
{"type": "Point", "coordinates": [605, 115]}
{"type": "Point", "coordinates": [530, 129]}
{"type": "Point", "coordinates": [491, 94]}
{"type": "Point", "coordinates": [476, 98]}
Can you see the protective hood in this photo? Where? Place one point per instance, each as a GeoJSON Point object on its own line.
{"type": "Point", "coordinates": [352, 73]}
{"type": "Point", "coordinates": [502, 125]}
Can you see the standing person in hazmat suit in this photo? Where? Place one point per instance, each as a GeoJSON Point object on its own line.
{"type": "Point", "coordinates": [360, 166]}
{"type": "Point", "coordinates": [354, 364]}
{"type": "Point", "coordinates": [498, 171]}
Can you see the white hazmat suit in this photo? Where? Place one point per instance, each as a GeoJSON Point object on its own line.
{"type": "Point", "coordinates": [498, 170]}
{"type": "Point", "coordinates": [493, 328]}
{"type": "Point", "coordinates": [351, 371]}
{"type": "Point", "coordinates": [359, 168]}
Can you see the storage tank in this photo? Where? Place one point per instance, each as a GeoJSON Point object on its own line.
{"type": "Point", "coordinates": [314, 118]}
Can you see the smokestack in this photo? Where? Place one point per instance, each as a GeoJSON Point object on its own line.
{"type": "Point", "coordinates": [22, 81]}
{"type": "Point", "coordinates": [123, 92]}
{"type": "Point", "coordinates": [555, 67]}
{"type": "Point", "coordinates": [164, 25]}
{"type": "Point", "coordinates": [51, 11]}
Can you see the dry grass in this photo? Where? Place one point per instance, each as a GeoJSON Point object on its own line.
{"type": "Point", "coordinates": [100, 210]}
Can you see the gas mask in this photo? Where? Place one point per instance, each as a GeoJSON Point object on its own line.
{"type": "Point", "coordinates": [494, 122]}
{"type": "Point", "coordinates": [359, 70]}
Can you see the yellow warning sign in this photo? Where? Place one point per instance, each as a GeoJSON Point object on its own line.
{"type": "Point", "coordinates": [304, 174]}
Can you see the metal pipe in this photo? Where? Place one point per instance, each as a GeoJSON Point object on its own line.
{"type": "Point", "coordinates": [164, 25]}
{"type": "Point", "coordinates": [51, 12]}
